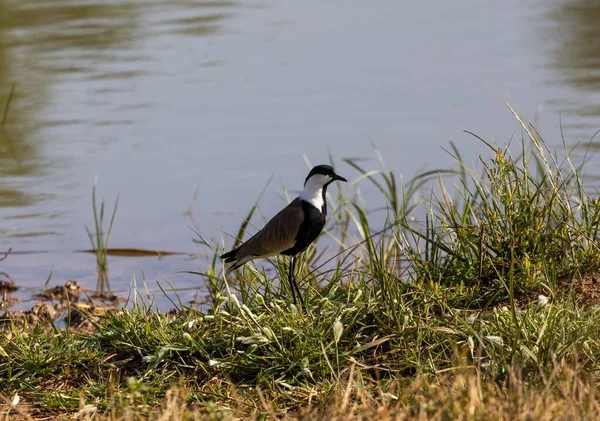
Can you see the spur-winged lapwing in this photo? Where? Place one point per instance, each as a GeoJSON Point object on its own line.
{"type": "Point", "coordinates": [293, 229]}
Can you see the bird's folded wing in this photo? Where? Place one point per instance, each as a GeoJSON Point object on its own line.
{"type": "Point", "coordinates": [279, 234]}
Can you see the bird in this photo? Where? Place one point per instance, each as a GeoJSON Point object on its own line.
{"type": "Point", "coordinates": [293, 229]}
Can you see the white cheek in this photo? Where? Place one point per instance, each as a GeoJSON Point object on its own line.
{"type": "Point", "coordinates": [322, 179]}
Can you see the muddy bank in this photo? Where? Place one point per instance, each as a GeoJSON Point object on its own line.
{"type": "Point", "coordinates": [67, 304]}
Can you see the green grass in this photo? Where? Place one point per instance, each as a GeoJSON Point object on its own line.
{"type": "Point", "coordinates": [432, 318]}
{"type": "Point", "coordinates": [99, 240]}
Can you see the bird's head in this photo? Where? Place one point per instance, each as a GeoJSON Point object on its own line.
{"type": "Point", "coordinates": [322, 175]}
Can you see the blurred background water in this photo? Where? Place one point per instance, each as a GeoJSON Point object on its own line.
{"type": "Point", "coordinates": [160, 99]}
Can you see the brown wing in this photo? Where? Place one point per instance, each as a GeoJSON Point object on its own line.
{"type": "Point", "coordinates": [278, 234]}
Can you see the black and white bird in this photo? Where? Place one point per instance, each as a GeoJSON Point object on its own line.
{"type": "Point", "coordinates": [293, 229]}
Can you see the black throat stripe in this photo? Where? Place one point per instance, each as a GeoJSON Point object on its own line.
{"type": "Point", "coordinates": [311, 227]}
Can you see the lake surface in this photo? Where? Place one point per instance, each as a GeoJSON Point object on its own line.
{"type": "Point", "coordinates": [160, 99]}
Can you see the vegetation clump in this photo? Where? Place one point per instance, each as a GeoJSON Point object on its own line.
{"type": "Point", "coordinates": [474, 311]}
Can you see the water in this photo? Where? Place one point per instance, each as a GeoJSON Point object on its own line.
{"type": "Point", "coordinates": [159, 99]}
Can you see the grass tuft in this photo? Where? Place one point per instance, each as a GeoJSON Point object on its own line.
{"type": "Point", "coordinates": [521, 225]}
{"type": "Point", "coordinates": [99, 240]}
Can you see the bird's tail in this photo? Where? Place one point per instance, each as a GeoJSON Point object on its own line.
{"type": "Point", "coordinates": [231, 260]}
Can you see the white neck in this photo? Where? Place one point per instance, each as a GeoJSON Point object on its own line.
{"type": "Point", "coordinates": [313, 192]}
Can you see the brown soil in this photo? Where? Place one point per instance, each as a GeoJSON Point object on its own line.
{"type": "Point", "coordinates": [7, 286]}
{"type": "Point", "coordinates": [106, 296]}
{"type": "Point", "coordinates": [6, 299]}
{"type": "Point", "coordinates": [40, 313]}
{"type": "Point", "coordinates": [71, 291]}
{"type": "Point", "coordinates": [68, 301]}
{"type": "Point", "coordinates": [585, 289]}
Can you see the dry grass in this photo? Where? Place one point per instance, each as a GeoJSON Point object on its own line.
{"type": "Point", "coordinates": [569, 394]}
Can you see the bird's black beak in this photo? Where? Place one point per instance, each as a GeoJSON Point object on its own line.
{"type": "Point", "coordinates": [339, 177]}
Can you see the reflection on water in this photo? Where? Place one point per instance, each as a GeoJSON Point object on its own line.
{"type": "Point", "coordinates": [58, 25]}
{"type": "Point", "coordinates": [37, 42]}
{"type": "Point", "coordinates": [578, 52]}
{"type": "Point", "coordinates": [575, 34]}
{"type": "Point", "coordinates": [575, 30]}
{"type": "Point", "coordinates": [44, 43]}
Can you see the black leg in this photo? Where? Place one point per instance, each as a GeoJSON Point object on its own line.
{"type": "Point", "coordinates": [293, 283]}
{"type": "Point", "coordinates": [291, 278]}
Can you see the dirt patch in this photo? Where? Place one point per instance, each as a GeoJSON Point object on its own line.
{"type": "Point", "coordinates": [585, 289]}
{"type": "Point", "coordinates": [70, 303]}
{"type": "Point", "coordinates": [106, 296]}
{"type": "Point", "coordinates": [6, 299]}
{"type": "Point", "coordinates": [40, 313]}
{"type": "Point", "coordinates": [7, 286]}
{"type": "Point", "coordinates": [71, 291]}
{"type": "Point", "coordinates": [79, 317]}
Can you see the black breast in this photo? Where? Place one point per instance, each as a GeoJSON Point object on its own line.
{"type": "Point", "coordinates": [311, 227]}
